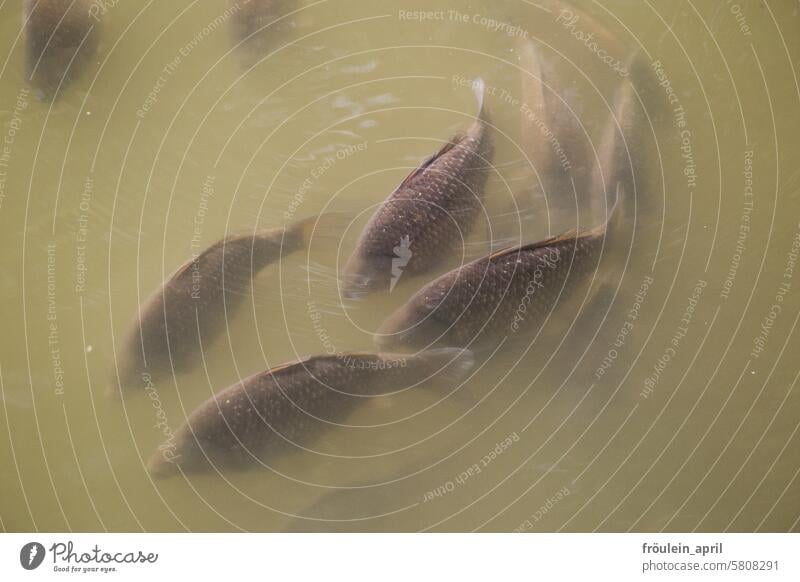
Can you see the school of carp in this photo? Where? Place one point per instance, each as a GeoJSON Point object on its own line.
{"type": "Point", "coordinates": [450, 320]}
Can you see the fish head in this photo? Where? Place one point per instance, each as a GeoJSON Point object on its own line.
{"type": "Point", "coordinates": [129, 372]}
{"type": "Point", "coordinates": [60, 39]}
{"type": "Point", "coordinates": [124, 375]}
{"type": "Point", "coordinates": [181, 454]}
{"type": "Point", "coordinates": [366, 273]}
{"type": "Point", "coordinates": [414, 326]}
{"type": "Point", "coordinates": [163, 464]}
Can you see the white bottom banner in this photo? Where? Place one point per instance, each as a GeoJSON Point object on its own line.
{"type": "Point", "coordinates": [402, 556]}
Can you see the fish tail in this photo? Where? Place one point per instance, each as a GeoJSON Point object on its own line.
{"type": "Point", "coordinates": [481, 129]}
{"type": "Point", "coordinates": [448, 369]}
{"type": "Point", "coordinates": [615, 223]}
{"type": "Point", "coordinates": [479, 87]}
{"type": "Point", "coordinates": [532, 76]}
{"type": "Point", "coordinates": [611, 228]}
{"type": "Point", "coordinates": [614, 174]}
{"type": "Point", "coordinates": [449, 365]}
{"type": "Point", "coordinates": [325, 227]}
{"type": "Point", "coordinates": [552, 133]}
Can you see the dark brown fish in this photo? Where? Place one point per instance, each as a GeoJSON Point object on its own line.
{"type": "Point", "coordinates": [191, 308]}
{"type": "Point", "coordinates": [282, 409]}
{"type": "Point", "coordinates": [490, 298]}
{"type": "Point", "coordinates": [516, 289]}
{"type": "Point", "coordinates": [60, 40]}
{"type": "Point", "coordinates": [428, 216]}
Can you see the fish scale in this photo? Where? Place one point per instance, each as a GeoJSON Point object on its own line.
{"type": "Point", "coordinates": [434, 208]}
{"type": "Point", "coordinates": [192, 307]}
{"type": "Point", "coordinates": [514, 290]}
{"type": "Point", "coordinates": [443, 208]}
{"type": "Point", "coordinates": [481, 301]}
{"type": "Point", "coordinates": [280, 409]}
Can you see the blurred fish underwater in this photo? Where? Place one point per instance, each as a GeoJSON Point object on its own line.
{"type": "Point", "coordinates": [61, 38]}
{"type": "Point", "coordinates": [369, 267]}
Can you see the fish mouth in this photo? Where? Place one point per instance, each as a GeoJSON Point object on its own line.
{"type": "Point", "coordinates": [357, 287]}
{"type": "Point", "coordinates": [119, 384]}
{"type": "Point", "coordinates": [352, 294]}
{"type": "Point", "coordinates": [116, 386]}
{"type": "Point", "coordinates": [161, 467]}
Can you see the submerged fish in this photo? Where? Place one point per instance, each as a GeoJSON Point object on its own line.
{"type": "Point", "coordinates": [191, 308]}
{"type": "Point", "coordinates": [60, 38]}
{"type": "Point", "coordinates": [258, 25]}
{"type": "Point", "coordinates": [429, 214]}
{"type": "Point", "coordinates": [492, 297]}
{"type": "Point", "coordinates": [516, 289]}
{"type": "Point", "coordinates": [575, 20]}
{"type": "Point", "coordinates": [552, 133]}
{"type": "Point", "coordinates": [279, 410]}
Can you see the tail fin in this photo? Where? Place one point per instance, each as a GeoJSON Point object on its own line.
{"type": "Point", "coordinates": [327, 227]}
{"type": "Point", "coordinates": [448, 369]}
{"type": "Point", "coordinates": [479, 87]}
{"type": "Point", "coordinates": [552, 133]}
{"type": "Point", "coordinates": [615, 220]}
{"type": "Point", "coordinates": [615, 171]}
{"type": "Point", "coordinates": [532, 78]}
{"type": "Point", "coordinates": [618, 143]}
{"type": "Point", "coordinates": [450, 365]}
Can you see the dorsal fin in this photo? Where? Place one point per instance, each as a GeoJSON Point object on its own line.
{"type": "Point", "coordinates": [231, 238]}
{"type": "Point", "coordinates": [427, 162]}
{"type": "Point", "coordinates": [615, 216]}
{"type": "Point", "coordinates": [564, 236]}
{"type": "Point", "coordinates": [180, 271]}
{"type": "Point", "coordinates": [281, 367]}
{"type": "Point", "coordinates": [306, 359]}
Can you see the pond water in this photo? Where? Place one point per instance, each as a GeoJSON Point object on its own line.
{"type": "Point", "coordinates": [662, 397]}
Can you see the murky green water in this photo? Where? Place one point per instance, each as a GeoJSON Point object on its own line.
{"type": "Point", "coordinates": [665, 399]}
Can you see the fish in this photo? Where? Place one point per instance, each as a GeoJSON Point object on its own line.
{"type": "Point", "coordinates": [558, 119]}
{"type": "Point", "coordinates": [258, 25]}
{"type": "Point", "coordinates": [60, 40]}
{"type": "Point", "coordinates": [553, 136]}
{"type": "Point", "coordinates": [191, 308]}
{"type": "Point", "coordinates": [428, 215]}
{"type": "Point", "coordinates": [621, 149]}
{"type": "Point", "coordinates": [282, 409]}
{"type": "Point", "coordinates": [513, 291]}
{"type": "Point", "coordinates": [573, 19]}
{"type": "Point", "coordinates": [488, 299]}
